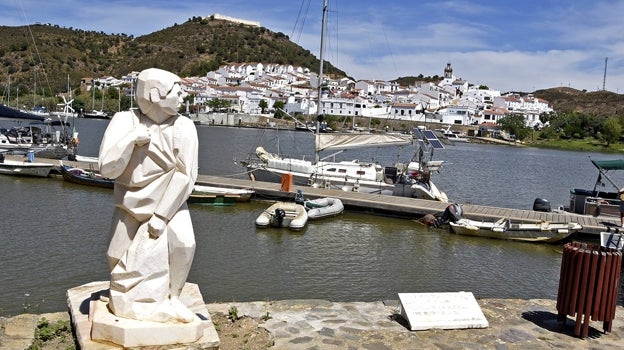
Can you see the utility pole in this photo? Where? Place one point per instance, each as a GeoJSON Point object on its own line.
{"type": "Point", "coordinates": [604, 78]}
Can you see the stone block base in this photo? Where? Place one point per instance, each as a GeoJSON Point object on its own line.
{"type": "Point", "coordinates": [96, 328]}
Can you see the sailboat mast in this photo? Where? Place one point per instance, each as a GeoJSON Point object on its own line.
{"type": "Point", "coordinates": [35, 92]}
{"type": "Point", "coordinates": [317, 139]}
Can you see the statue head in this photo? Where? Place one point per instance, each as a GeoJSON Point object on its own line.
{"type": "Point", "coordinates": [158, 94]}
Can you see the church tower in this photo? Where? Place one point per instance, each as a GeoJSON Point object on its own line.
{"type": "Point", "coordinates": [448, 71]}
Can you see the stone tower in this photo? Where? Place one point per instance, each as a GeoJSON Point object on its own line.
{"type": "Point", "coordinates": [448, 71]}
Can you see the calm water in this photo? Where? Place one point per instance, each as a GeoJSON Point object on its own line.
{"type": "Point", "coordinates": [55, 234]}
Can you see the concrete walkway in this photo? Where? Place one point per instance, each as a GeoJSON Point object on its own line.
{"type": "Point", "coordinates": [320, 324]}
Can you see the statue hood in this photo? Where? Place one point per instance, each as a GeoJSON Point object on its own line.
{"type": "Point", "coordinates": [157, 94]}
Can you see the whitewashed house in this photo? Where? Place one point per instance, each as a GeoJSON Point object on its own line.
{"type": "Point", "coordinates": [406, 111]}
{"type": "Point", "coordinates": [494, 114]}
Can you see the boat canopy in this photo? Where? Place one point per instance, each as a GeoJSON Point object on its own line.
{"type": "Point", "coordinates": [611, 164]}
{"type": "Point", "coordinates": [331, 141]}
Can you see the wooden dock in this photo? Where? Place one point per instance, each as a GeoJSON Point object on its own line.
{"type": "Point", "coordinates": [412, 208]}
{"type": "Point", "coordinates": [396, 206]}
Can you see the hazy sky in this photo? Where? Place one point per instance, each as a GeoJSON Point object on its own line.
{"type": "Point", "coordinates": [520, 45]}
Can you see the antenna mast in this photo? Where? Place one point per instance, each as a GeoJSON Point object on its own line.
{"type": "Point", "coordinates": [604, 78]}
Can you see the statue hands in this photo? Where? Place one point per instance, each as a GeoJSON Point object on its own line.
{"type": "Point", "coordinates": [156, 226]}
{"type": "Point", "coordinates": [141, 135]}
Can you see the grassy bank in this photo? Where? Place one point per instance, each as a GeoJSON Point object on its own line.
{"type": "Point", "coordinates": [579, 145]}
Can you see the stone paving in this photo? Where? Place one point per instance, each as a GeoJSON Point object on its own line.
{"type": "Point", "coordinates": [320, 324]}
{"type": "Point", "coordinates": [513, 324]}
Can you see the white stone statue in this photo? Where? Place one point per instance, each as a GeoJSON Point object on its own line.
{"type": "Point", "coordinates": [151, 152]}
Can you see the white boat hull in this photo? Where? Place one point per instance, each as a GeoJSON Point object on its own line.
{"type": "Point", "coordinates": [323, 208]}
{"type": "Point", "coordinates": [502, 229]}
{"type": "Point", "coordinates": [408, 189]}
{"type": "Point", "coordinates": [240, 195]}
{"type": "Point", "coordinates": [295, 217]}
{"type": "Point", "coordinates": [12, 167]}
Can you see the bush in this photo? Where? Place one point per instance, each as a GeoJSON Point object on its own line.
{"type": "Point", "coordinates": [46, 332]}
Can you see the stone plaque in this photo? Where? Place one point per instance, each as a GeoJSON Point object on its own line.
{"type": "Point", "coordinates": [457, 310]}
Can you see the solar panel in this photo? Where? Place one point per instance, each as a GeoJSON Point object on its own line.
{"type": "Point", "coordinates": [429, 137]}
{"type": "Point", "coordinates": [436, 144]}
{"type": "Point", "coordinates": [429, 134]}
{"type": "Point", "coordinates": [418, 134]}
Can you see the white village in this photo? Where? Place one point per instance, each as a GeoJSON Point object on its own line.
{"type": "Point", "coordinates": [452, 101]}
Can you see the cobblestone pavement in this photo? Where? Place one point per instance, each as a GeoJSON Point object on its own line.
{"type": "Point", "coordinates": [320, 324]}
{"type": "Point", "coordinates": [513, 324]}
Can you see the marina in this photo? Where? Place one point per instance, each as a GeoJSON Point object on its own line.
{"type": "Point", "coordinates": [403, 207]}
{"type": "Point", "coordinates": [354, 256]}
{"type": "Point", "coordinates": [414, 208]}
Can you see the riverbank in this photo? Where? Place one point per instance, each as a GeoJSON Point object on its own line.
{"type": "Point", "coordinates": [321, 324]}
{"type": "Point", "coordinates": [266, 121]}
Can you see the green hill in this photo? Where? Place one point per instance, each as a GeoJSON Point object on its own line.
{"type": "Point", "coordinates": [49, 54]}
{"type": "Point", "coordinates": [595, 103]}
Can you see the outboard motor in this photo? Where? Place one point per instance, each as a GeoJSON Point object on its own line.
{"type": "Point", "coordinates": [452, 213]}
{"type": "Point", "coordinates": [299, 198]}
{"type": "Point", "coordinates": [279, 216]}
{"type": "Point", "coordinates": [541, 204]}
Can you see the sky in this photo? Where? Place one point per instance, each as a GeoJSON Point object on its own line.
{"type": "Point", "coordinates": [508, 46]}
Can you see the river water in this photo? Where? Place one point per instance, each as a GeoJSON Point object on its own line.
{"type": "Point", "coordinates": [55, 234]}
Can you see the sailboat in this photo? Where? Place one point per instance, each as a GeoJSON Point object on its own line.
{"type": "Point", "coordinates": [94, 113]}
{"type": "Point", "coordinates": [407, 180]}
{"type": "Point", "coordinates": [7, 111]}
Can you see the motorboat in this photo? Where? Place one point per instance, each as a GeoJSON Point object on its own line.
{"type": "Point", "coordinates": [95, 114]}
{"type": "Point", "coordinates": [548, 232]}
{"type": "Point", "coordinates": [283, 214]}
{"type": "Point", "coordinates": [44, 141]}
{"type": "Point", "coordinates": [240, 194]}
{"type": "Point", "coordinates": [213, 195]}
{"type": "Point", "coordinates": [453, 136]}
{"type": "Point", "coordinates": [84, 177]}
{"type": "Point", "coordinates": [321, 208]}
{"type": "Point", "coordinates": [598, 201]}
{"type": "Point", "coordinates": [25, 168]}
{"type": "Point", "coordinates": [610, 239]}
{"type": "Point", "coordinates": [86, 159]}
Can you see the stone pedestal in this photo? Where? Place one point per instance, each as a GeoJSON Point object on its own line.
{"type": "Point", "coordinates": [96, 328]}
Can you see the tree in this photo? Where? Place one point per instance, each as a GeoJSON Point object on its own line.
{"type": "Point", "coordinates": [611, 130]}
{"type": "Point", "coordinates": [263, 105]}
{"type": "Point", "coordinates": [217, 104]}
{"type": "Point", "coordinates": [279, 109]}
{"type": "Point", "coordinates": [514, 124]}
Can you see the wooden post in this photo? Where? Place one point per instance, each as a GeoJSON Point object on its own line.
{"type": "Point", "coordinates": [287, 181]}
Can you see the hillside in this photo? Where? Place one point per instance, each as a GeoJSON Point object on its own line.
{"type": "Point", "coordinates": [597, 103]}
{"type": "Point", "coordinates": [41, 51]}
{"type": "Point", "coordinates": [47, 54]}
